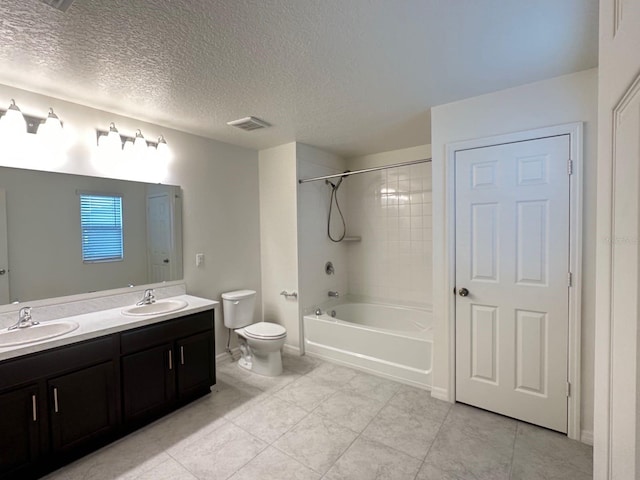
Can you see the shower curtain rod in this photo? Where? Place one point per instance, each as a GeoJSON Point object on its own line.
{"type": "Point", "coordinates": [364, 170]}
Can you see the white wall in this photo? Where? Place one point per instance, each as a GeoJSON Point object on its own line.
{"type": "Point", "coordinates": [314, 247]}
{"type": "Point", "coordinates": [565, 99]}
{"type": "Point", "coordinates": [391, 210]}
{"type": "Point", "coordinates": [219, 183]}
{"type": "Point", "coordinates": [279, 234]}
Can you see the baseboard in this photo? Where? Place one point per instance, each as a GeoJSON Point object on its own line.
{"type": "Point", "coordinates": [440, 393]}
{"type": "Point", "coordinates": [225, 357]}
{"type": "Point", "coordinates": [291, 349]}
{"type": "Point", "coordinates": [586, 436]}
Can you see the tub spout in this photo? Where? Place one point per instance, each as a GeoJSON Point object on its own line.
{"type": "Point", "coordinates": [333, 294]}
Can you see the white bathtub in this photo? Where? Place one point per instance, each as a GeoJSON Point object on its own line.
{"type": "Point", "coordinates": [395, 342]}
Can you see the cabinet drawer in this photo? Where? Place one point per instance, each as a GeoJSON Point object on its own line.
{"type": "Point", "coordinates": [57, 360]}
{"type": "Point", "coordinates": [165, 332]}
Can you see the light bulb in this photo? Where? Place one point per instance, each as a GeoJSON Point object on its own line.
{"type": "Point", "coordinates": [51, 128]}
{"type": "Point", "coordinates": [164, 152]}
{"type": "Point", "coordinates": [111, 143]}
{"type": "Point", "coordinates": [13, 123]}
{"type": "Point", "coordinates": [140, 145]}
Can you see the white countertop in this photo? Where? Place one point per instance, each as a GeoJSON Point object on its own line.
{"type": "Point", "coordinates": [105, 322]}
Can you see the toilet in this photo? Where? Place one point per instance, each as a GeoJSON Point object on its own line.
{"type": "Point", "coordinates": [260, 343]}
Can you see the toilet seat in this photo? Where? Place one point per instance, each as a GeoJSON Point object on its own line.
{"type": "Point", "coordinates": [265, 331]}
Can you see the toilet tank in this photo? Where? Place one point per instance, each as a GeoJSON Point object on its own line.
{"type": "Point", "coordinates": [238, 308]}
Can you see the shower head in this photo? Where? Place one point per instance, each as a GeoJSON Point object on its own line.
{"type": "Point", "coordinates": [334, 185]}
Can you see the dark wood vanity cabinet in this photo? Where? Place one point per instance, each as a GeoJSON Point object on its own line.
{"type": "Point", "coordinates": [19, 430]}
{"type": "Point", "coordinates": [61, 403]}
{"type": "Point", "coordinates": [194, 371]}
{"type": "Point", "coordinates": [148, 383]}
{"type": "Point", "coordinates": [166, 364]}
{"type": "Point", "coordinates": [56, 402]}
{"type": "Point", "coordinates": [83, 406]}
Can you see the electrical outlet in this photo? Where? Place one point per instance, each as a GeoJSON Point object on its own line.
{"type": "Point", "coordinates": [199, 259]}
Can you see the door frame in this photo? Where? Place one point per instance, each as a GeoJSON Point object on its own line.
{"type": "Point", "coordinates": [575, 132]}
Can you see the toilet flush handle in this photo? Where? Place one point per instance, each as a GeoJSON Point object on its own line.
{"type": "Point", "coordinates": [236, 302]}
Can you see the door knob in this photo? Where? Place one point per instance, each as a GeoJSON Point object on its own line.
{"type": "Point", "coordinates": [166, 260]}
{"type": "Point", "coordinates": [2, 271]}
{"type": "Point", "coordinates": [463, 292]}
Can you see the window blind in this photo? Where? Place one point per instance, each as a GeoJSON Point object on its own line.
{"type": "Point", "coordinates": [101, 223]}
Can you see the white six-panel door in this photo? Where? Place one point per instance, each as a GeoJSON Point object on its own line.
{"type": "Point", "coordinates": [616, 451]}
{"type": "Point", "coordinates": [512, 266]}
{"type": "Point", "coordinates": [159, 237]}
{"type": "Point", "coordinates": [4, 252]}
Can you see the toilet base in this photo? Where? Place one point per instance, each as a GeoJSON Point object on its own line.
{"type": "Point", "coordinates": [244, 363]}
{"type": "Point", "coordinates": [270, 365]}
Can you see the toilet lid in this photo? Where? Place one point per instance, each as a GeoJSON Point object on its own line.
{"type": "Point", "coordinates": [265, 330]}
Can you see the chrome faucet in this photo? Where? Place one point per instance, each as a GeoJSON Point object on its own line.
{"type": "Point", "coordinates": [333, 294]}
{"type": "Point", "coordinates": [148, 297]}
{"type": "Point", "coordinates": [24, 319]}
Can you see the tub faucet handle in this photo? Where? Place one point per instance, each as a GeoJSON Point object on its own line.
{"type": "Point", "coordinates": [333, 294]}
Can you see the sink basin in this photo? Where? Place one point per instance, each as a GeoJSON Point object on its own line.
{"type": "Point", "coordinates": [36, 333]}
{"type": "Point", "coordinates": [162, 306]}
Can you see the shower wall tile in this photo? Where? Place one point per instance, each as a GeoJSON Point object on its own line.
{"type": "Point", "coordinates": [391, 210]}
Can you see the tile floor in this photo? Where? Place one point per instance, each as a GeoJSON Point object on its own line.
{"type": "Point", "coordinates": [323, 421]}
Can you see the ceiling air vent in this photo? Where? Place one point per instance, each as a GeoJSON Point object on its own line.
{"type": "Point", "coordinates": [59, 4]}
{"type": "Point", "coordinates": [249, 123]}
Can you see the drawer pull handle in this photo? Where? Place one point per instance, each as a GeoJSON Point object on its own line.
{"type": "Point", "coordinates": [55, 400]}
{"type": "Point", "coordinates": [34, 408]}
{"type": "Point", "coordinates": [182, 355]}
{"type": "Point", "coordinates": [170, 359]}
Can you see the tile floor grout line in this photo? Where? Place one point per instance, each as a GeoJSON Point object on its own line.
{"type": "Point", "coordinates": [296, 460]}
{"type": "Point", "coordinates": [272, 444]}
{"type": "Point", "coordinates": [359, 434]}
{"type": "Point", "coordinates": [424, 460]}
{"type": "Point", "coordinates": [513, 452]}
{"type": "Point", "coordinates": [250, 460]}
{"type": "Point", "coordinates": [181, 464]}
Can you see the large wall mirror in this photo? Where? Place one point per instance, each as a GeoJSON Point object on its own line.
{"type": "Point", "coordinates": [63, 234]}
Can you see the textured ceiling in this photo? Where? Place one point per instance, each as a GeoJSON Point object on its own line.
{"type": "Point", "coordinates": [348, 76]}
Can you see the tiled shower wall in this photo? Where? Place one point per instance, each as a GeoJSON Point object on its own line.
{"type": "Point", "coordinates": [391, 211]}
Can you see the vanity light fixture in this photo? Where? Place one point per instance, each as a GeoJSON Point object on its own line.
{"type": "Point", "coordinates": [162, 147]}
{"type": "Point", "coordinates": [51, 127]}
{"type": "Point", "coordinates": [110, 140]}
{"type": "Point", "coordinates": [114, 138]}
{"type": "Point", "coordinates": [139, 144]}
{"type": "Point", "coordinates": [31, 141]}
{"type": "Point", "coordinates": [127, 147]}
{"type": "Point", "coordinates": [14, 123]}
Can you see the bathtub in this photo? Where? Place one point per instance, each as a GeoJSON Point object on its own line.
{"type": "Point", "coordinates": [391, 341]}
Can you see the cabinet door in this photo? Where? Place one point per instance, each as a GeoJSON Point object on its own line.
{"type": "Point", "coordinates": [148, 382]}
{"type": "Point", "coordinates": [82, 406]}
{"type": "Point", "coordinates": [195, 364]}
{"type": "Point", "coordinates": [19, 420]}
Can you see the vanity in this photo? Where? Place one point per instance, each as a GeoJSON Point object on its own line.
{"type": "Point", "coordinates": [64, 397]}
{"type": "Point", "coordinates": [98, 366]}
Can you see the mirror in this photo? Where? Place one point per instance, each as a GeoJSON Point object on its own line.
{"type": "Point", "coordinates": [41, 239]}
